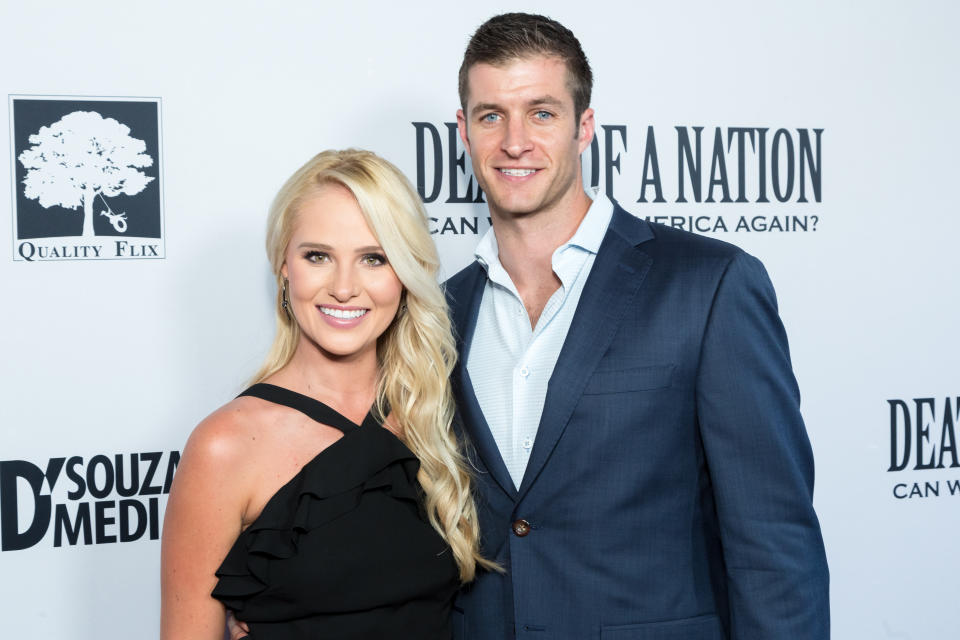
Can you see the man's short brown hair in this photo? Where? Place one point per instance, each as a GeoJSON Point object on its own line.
{"type": "Point", "coordinates": [513, 36]}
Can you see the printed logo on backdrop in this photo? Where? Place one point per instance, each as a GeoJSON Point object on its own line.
{"type": "Point", "coordinates": [779, 170]}
{"type": "Point", "coordinates": [923, 447]}
{"type": "Point", "coordinates": [86, 178]}
{"type": "Point", "coordinates": [77, 501]}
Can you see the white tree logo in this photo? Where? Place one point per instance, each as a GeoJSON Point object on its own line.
{"type": "Point", "coordinates": [81, 156]}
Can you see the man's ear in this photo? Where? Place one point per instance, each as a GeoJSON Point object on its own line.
{"type": "Point", "coordinates": [585, 130]}
{"type": "Point", "coordinates": [462, 128]}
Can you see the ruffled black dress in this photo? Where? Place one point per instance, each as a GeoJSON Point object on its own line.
{"type": "Point", "coordinates": [344, 550]}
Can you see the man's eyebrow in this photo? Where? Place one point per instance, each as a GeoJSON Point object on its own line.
{"type": "Point", "coordinates": [484, 106]}
{"type": "Point", "coordinates": [546, 100]}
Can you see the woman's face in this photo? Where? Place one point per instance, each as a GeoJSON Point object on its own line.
{"type": "Point", "coordinates": [341, 290]}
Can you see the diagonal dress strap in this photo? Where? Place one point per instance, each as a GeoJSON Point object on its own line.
{"type": "Point", "coordinates": [314, 409]}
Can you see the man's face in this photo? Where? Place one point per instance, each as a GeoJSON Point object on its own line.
{"type": "Point", "coordinates": [523, 136]}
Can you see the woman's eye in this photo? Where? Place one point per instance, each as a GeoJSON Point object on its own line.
{"type": "Point", "coordinates": [374, 259]}
{"type": "Point", "coordinates": [316, 256]}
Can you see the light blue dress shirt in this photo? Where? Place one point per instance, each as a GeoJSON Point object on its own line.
{"type": "Point", "coordinates": [510, 363]}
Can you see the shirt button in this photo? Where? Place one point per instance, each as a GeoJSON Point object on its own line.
{"type": "Point", "coordinates": [525, 372]}
{"type": "Point", "coordinates": [521, 528]}
{"type": "Point", "coordinates": [528, 443]}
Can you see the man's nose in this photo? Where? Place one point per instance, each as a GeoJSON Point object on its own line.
{"type": "Point", "coordinates": [516, 140]}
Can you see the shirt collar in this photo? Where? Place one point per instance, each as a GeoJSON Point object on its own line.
{"type": "Point", "coordinates": [487, 251]}
{"type": "Point", "coordinates": [588, 235]}
{"type": "Point", "coordinates": [594, 225]}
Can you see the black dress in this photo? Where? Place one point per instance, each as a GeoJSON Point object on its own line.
{"type": "Point", "coordinates": [343, 551]}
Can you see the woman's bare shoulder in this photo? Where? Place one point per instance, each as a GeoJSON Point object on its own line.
{"type": "Point", "coordinates": [230, 434]}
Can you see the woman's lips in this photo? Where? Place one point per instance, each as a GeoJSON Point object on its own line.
{"type": "Point", "coordinates": [342, 317]}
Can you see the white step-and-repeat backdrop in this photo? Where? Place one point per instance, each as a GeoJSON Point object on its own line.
{"type": "Point", "coordinates": [821, 137]}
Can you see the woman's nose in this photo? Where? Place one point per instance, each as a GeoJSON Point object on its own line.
{"type": "Point", "coordinates": [345, 284]}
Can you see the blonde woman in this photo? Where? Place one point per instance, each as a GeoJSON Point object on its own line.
{"type": "Point", "coordinates": [298, 506]}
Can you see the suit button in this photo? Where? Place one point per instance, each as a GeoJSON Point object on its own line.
{"type": "Point", "coordinates": [521, 528]}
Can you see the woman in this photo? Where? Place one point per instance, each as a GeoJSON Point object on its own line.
{"type": "Point", "coordinates": [296, 505]}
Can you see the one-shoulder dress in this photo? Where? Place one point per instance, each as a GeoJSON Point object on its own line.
{"type": "Point", "coordinates": [343, 550]}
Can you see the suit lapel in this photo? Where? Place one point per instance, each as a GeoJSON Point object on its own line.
{"type": "Point", "coordinates": [617, 274]}
{"type": "Point", "coordinates": [465, 302]}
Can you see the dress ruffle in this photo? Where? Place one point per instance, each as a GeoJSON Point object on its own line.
{"type": "Point", "coordinates": [326, 488]}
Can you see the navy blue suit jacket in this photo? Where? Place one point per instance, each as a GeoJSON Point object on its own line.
{"type": "Point", "coordinates": [669, 489]}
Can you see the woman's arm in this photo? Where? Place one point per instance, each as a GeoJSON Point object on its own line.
{"type": "Point", "coordinates": [203, 518]}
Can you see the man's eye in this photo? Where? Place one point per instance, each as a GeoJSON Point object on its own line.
{"type": "Point", "coordinates": [543, 115]}
{"type": "Point", "coordinates": [316, 256]}
{"type": "Point", "coordinates": [490, 117]}
{"type": "Point", "coordinates": [374, 259]}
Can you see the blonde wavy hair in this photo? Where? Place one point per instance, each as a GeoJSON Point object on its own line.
{"type": "Point", "coordinates": [416, 353]}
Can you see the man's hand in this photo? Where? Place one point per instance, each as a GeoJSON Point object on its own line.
{"type": "Point", "coordinates": [236, 628]}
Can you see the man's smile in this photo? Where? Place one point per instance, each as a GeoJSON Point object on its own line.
{"type": "Point", "coordinates": [518, 173]}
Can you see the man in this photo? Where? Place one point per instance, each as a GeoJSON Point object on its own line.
{"type": "Point", "coordinates": [626, 389]}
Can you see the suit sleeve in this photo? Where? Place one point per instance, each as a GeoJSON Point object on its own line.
{"type": "Point", "coordinates": [760, 464]}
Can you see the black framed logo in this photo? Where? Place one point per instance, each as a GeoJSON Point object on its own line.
{"type": "Point", "coordinates": [87, 178]}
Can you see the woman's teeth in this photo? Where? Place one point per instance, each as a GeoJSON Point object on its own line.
{"type": "Point", "coordinates": [343, 314]}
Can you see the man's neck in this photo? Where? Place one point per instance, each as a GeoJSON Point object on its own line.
{"type": "Point", "coordinates": [526, 245]}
